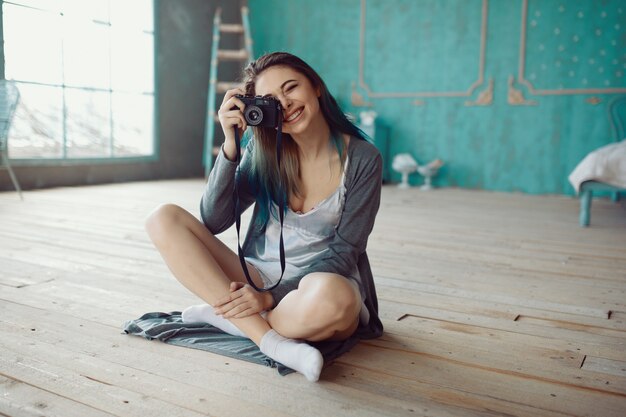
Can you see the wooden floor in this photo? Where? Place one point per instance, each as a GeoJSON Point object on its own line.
{"type": "Point", "coordinates": [493, 304]}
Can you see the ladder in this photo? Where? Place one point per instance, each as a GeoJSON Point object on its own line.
{"type": "Point", "coordinates": [244, 55]}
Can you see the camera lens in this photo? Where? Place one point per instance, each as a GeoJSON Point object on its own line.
{"type": "Point", "coordinates": [253, 115]}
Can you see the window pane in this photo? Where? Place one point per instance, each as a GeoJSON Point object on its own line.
{"type": "Point", "coordinates": [102, 52]}
{"type": "Point", "coordinates": [37, 128]}
{"type": "Point", "coordinates": [32, 45]}
{"type": "Point", "coordinates": [132, 62]}
{"type": "Point", "coordinates": [133, 132]}
{"type": "Point", "coordinates": [88, 124]}
{"type": "Point", "coordinates": [86, 10]}
{"type": "Point", "coordinates": [136, 14]}
{"type": "Point", "coordinates": [86, 54]}
{"type": "Point", "coordinates": [50, 5]}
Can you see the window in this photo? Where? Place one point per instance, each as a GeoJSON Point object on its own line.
{"type": "Point", "coordinates": [85, 71]}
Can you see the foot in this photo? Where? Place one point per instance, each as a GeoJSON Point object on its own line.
{"type": "Point", "coordinates": [295, 354]}
{"type": "Point", "coordinates": [204, 313]}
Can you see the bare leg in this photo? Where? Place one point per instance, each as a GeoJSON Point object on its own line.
{"type": "Point", "coordinates": [325, 306]}
{"type": "Point", "coordinates": [191, 252]}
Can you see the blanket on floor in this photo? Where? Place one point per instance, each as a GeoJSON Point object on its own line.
{"type": "Point", "coordinates": [169, 328]}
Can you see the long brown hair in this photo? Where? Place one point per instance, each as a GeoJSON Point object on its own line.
{"type": "Point", "coordinates": [265, 178]}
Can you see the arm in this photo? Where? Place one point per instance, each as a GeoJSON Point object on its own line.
{"type": "Point", "coordinates": [217, 207]}
{"type": "Point", "coordinates": [356, 224]}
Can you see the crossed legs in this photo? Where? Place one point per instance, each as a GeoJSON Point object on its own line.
{"type": "Point", "coordinates": [325, 306]}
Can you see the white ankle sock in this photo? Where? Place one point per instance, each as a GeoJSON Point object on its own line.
{"type": "Point", "coordinates": [204, 313]}
{"type": "Point", "coordinates": [295, 354]}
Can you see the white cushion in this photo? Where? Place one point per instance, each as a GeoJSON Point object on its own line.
{"type": "Point", "coordinates": [606, 164]}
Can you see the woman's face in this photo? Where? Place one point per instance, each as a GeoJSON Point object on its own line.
{"type": "Point", "coordinates": [298, 97]}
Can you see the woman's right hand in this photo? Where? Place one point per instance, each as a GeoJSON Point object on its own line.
{"type": "Point", "coordinates": [231, 115]}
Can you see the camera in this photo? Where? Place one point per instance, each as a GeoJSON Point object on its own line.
{"type": "Point", "coordinates": [261, 111]}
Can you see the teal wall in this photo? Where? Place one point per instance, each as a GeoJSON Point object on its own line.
{"type": "Point", "coordinates": [434, 46]}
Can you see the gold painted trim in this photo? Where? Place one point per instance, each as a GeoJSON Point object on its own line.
{"type": "Point", "coordinates": [485, 97]}
{"type": "Point", "coordinates": [467, 93]}
{"type": "Point", "coordinates": [357, 99]}
{"type": "Point", "coordinates": [594, 101]}
{"type": "Point", "coordinates": [515, 97]}
{"type": "Point", "coordinates": [521, 77]}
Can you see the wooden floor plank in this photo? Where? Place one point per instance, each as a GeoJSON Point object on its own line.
{"type": "Point", "coordinates": [187, 396]}
{"type": "Point", "coordinates": [20, 399]}
{"type": "Point", "coordinates": [572, 305]}
{"type": "Point", "coordinates": [57, 330]}
{"type": "Point", "coordinates": [466, 401]}
{"type": "Point", "coordinates": [453, 302]}
{"type": "Point", "coordinates": [605, 366]}
{"type": "Point", "coordinates": [65, 382]}
{"type": "Point", "coordinates": [559, 367]}
{"type": "Point", "coordinates": [546, 395]}
{"type": "Point", "coordinates": [598, 345]}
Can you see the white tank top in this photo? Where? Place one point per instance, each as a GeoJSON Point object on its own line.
{"type": "Point", "coordinates": [305, 235]}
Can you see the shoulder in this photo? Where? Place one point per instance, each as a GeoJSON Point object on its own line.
{"type": "Point", "coordinates": [364, 161]}
{"type": "Point", "coordinates": [362, 149]}
{"type": "Point", "coordinates": [363, 155]}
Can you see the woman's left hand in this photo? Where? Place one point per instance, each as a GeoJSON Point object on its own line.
{"type": "Point", "coordinates": [243, 301]}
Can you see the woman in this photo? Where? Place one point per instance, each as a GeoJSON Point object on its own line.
{"type": "Point", "coordinates": [332, 179]}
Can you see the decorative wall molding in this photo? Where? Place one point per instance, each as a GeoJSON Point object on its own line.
{"type": "Point", "coordinates": [521, 76]}
{"type": "Point", "coordinates": [594, 101]}
{"type": "Point", "coordinates": [357, 99]}
{"type": "Point", "coordinates": [515, 97]}
{"type": "Point", "coordinates": [485, 97]}
{"type": "Point", "coordinates": [424, 94]}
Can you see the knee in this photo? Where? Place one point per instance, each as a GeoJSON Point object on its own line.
{"type": "Point", "coordinates": [162, 218]}
{"type": "Point", "coordinates": [331, 296]}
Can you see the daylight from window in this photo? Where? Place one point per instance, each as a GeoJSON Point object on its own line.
{"type": "Point", "coordinates": [85, 72]}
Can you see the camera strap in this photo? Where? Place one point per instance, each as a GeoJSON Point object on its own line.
{"type": "Point", "coordinates": [281, 207]}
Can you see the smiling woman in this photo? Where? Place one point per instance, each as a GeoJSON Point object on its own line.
{"type": "Point", "coordinates": [86, 84]}
{"type": "Point", "coordinates": [331, 179]}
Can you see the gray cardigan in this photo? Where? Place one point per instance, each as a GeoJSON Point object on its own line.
{"type": "Point", "coordinates": [363, 180]}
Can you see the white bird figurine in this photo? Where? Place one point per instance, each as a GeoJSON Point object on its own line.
{"type": "Point", "coordinates": [428, 171]}
{"type": "Point", "coordinates": [404, 164]}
